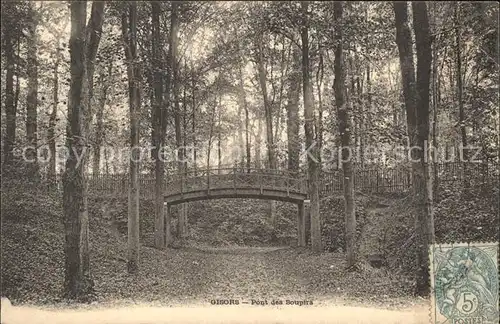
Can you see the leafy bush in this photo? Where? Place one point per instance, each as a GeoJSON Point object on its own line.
{"type": "Point", "coordinates": [333, 221]}
{"type": "Point", "coordinates": [32, 240]}
{"type": "Point", "coordinates": [461, 215]}
{"type": "Point", "coordinates": [241, 222]}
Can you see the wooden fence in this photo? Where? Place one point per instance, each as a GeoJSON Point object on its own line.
{"type": "Point", "coordinates": [369, 180]}
{"type": "Point", "coordinates": [398, 179]}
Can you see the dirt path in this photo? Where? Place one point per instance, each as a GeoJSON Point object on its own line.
{"type": "Point", "coordinates": [371, 237]}
{"type": "Point", "coordinates": [179, 285]}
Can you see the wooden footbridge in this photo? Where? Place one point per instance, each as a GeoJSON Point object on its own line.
{"type": "Point", "coordinates": [280, 185]}
{"type": "Point", "coordinates": [214, 183]}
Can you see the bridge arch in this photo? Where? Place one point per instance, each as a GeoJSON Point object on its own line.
{"type": "Point", "coordinates": [251, 193]}
{"type": "Point", "coordinates": [278, 185]}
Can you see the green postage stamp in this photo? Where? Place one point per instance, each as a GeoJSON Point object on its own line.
{"type": "Point", "coordinates": [464, 283]}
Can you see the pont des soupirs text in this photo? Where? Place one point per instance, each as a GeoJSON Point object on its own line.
{"type": "Point", "coordinates": [262, 302]}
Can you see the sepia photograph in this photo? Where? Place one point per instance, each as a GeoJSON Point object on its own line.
{"type": "Point", "coordinates": [238, 162]}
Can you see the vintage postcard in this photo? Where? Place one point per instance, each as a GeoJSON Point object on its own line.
{"type": "Point", "coordinates": [241, 162]}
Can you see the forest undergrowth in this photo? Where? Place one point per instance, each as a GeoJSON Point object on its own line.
{"type": "Point", "coordinates": [33, 256]}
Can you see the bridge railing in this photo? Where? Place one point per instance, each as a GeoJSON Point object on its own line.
{"type": "Point", "coordinates": [368, 180]}
{"type": "Point", "coordinates": [235, 178]}
{"type": "Point", "coordinates": [399, 179]}
{"type": "Point", "coordinates": [108, 185]}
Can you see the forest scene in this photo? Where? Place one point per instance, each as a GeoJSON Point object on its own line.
{"type": "Point", "coordinates": [296, 155]}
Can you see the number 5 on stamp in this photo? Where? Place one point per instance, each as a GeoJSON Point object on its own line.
{"type": "Point", "coordinates": [464, 283]}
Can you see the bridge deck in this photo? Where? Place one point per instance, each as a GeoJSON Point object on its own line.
{"type": "Point", "coordinates": [203, 184]}
{"type": "Point", "coordinates": [276, 184]}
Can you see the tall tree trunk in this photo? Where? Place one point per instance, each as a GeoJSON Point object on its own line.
{"type": "Point", "coordinates": [241, 145]}
{"type": "Point", "coordinates": [99, 129]}
{"type": "Point", "coordinates": [129, 30]}
{"type": "Point", "coordinates": [219, 139]}
{"type": "Point", "coordinates": [183, 230]}
{"type": "Point", "coordinates": [424, 216]}
{"type": "Point", "coordinates": [352, 103]}
{"type": "Point", "coordinates": [211, 132]}
{"type": "Point", "coordinates": [258, 141]}
{"type": "Point", "coordinates": [292, 109]}
{"type": "Point", "coordinates": [151, 92]}
{"type": "Point", "coordinates": [244, 103]}
{"type": "Point", "coordinates": [78, 283]}
{"type": "Point", "coordinates": [319, 85]}
{"type": "Point", "coordinates": [165, 114]}
{"type": "Point", "coordinates": [32, 95]}
{"type": "Point", "coordinates": [106, 162]}
{"type": "Point", "coordinates": [345, 137]}
{"type": "Point", "coordinates": [175, 87]}
{"type": "Point", "coordinates": [459, 73]}
{"type": "Point", "coordinates": [93, 35]}
{"type": "Point", "coordinates": [51, 131]}
{"type": "Point", "coordinates": [158, 120]}
{"type": "Point", "coordinates": [395, 104]}
{"type": "Point", "coordinates": [404, 42]}
{"type": "Point", "coordinates": [360, 118]}
{"type": "Point", "coordinates": [311, 145]}
{"type": "Point", "coordinates": [248, 144]}
{"type": "Point", "coordinates": [369, 108]}
{"type": "Point", "coordinates": [435, 107]}
{"type": "Point", "coordinates": [182, 220]}
{"type": "Point", "coordinates": [193, 122]}
{"type": "Point", "coordinates": [268, 113]}
{"type": "Point", "coordinates": [18, 73]}
{"type": "Point", "coordinates": [284, 59]}
{"type": "Point", "coordinates": [10, 108]}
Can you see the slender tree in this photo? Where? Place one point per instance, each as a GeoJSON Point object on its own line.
{"type": "Point", "coordinates": [258, 139]}
{"type": "Point", "coordinates": [311, 145]}
{"type": "Point", "coordinates": [404, 43]}
{"type": "Point", "coordinates": [51, 130]}
{"type": "Point", "coordinates": [417, 110]}
{"type": "Point", "coordinates": [10, 107]}
{"type": "Point", "coordinates": [129, 31]}
{"type": "Point", "coordinates": [78, 283]}
{"type": "Point", "coordinates": [319, 85]}
{"type": "Point", "coordinates": [345, 136]}
{"type": "Point", "coordinates": [244, 103]}
{"type": "Point", "coordinates": [168, 102]}
{"type": "Point", "coordinates": [292, 110]}
{"type": "Point", "coordinates": [268, 115]}
{"type": "Point", "coordinates": [93, 39]}
{"type": "Point", "coordinates": [32, 96]}
{"type": "Point", "coordinates": [158, 119]}
{"type": "Point", "coordinates": [193, 119]}
{"type": "Point", "coordinates": [219, 137]}
{"type": "Point", "coordinates": [104, 79]}
{"type": "Point", "coordinates": [435, 104]}
{"type": "Point", "coordinates": [181, 166]}
{"type": "Point", "coordinates": [459, 78]}
{"type": "Point", "coordinates": [241, 121]}
{"type": "Point", "coordinates": [423, 182]}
